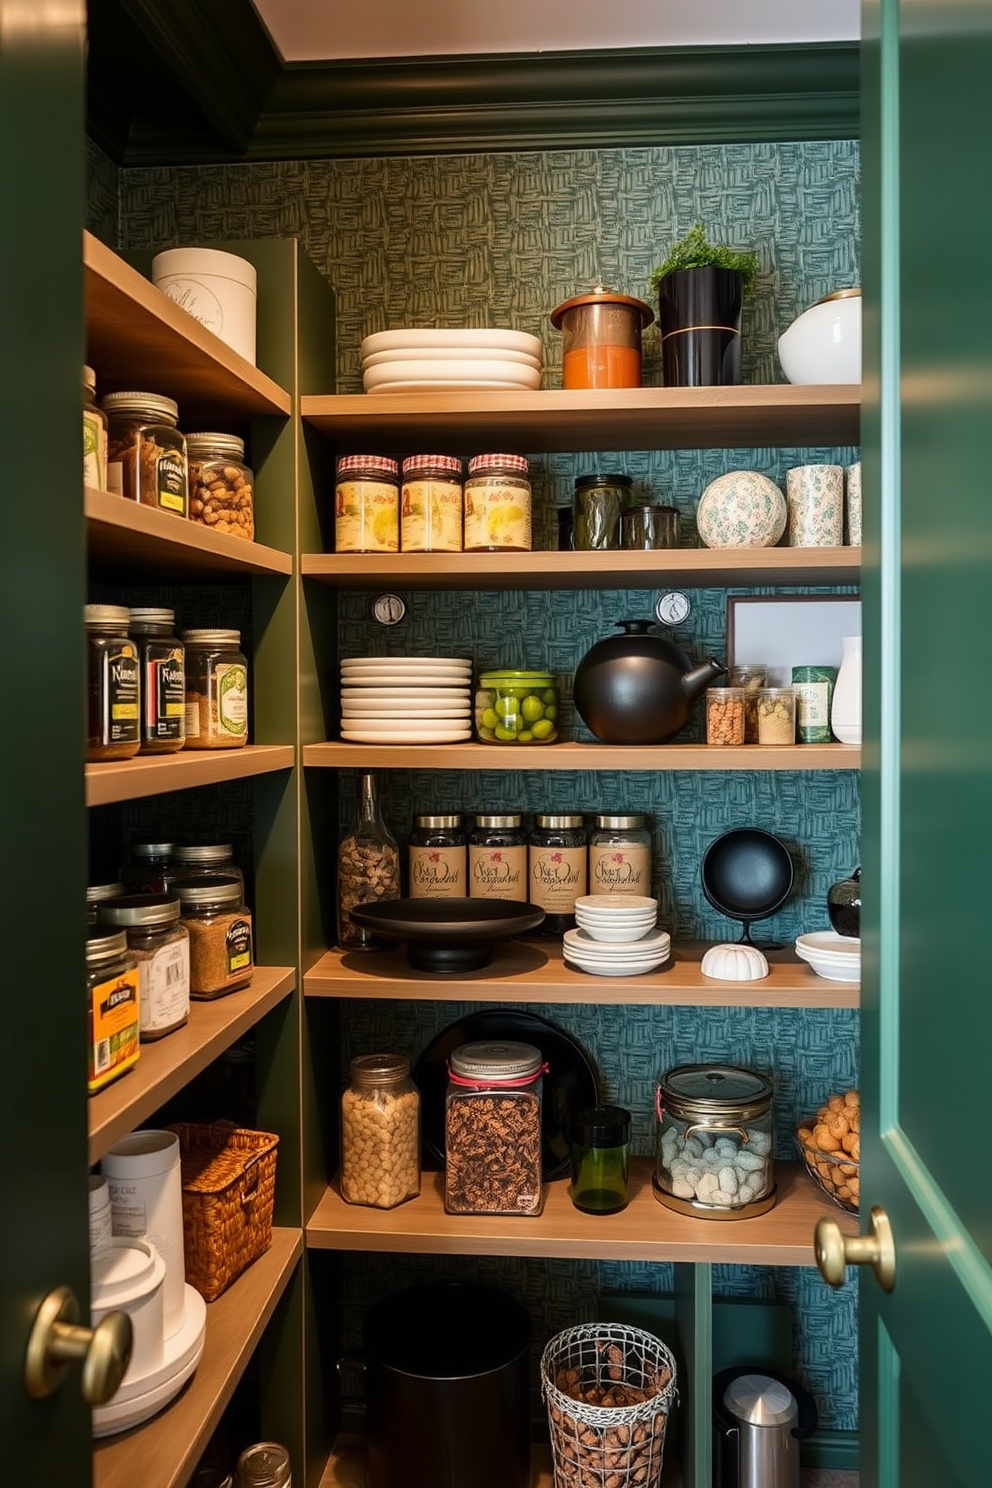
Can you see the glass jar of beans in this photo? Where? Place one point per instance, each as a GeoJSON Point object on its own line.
{"type": "Point", "coordinates": [380, 1132]}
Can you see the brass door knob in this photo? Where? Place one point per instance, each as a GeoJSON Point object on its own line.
{"type": "Point", "coordinates": [57, 1339]}
{"type": "Point", "coordinates": [835, 1250]}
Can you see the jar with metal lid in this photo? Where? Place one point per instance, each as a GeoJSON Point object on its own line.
{"type": "Point", "coordinates": [367, 505]}
{"type": "Point", "coordinates": [497, 505]}
{"type": "Point", "coordinates": [163, 680]}
{"type": "Point", "coordinates": [557, 869]}
{"type": "Point", "coordinates": [146, 870]}
{"type": "Point", "coordinates": [601, 338]}
{"type": "Point", "coordinates": [97, 894]}
{"type": "Point", "coordinates": [160, 946]}
{"type": "Point", "coordinates": [431, 504]}
{"type": "Point", "coordinates": [380, 1132]}
{"type": "Point", "coordinates": [146, 453]}
{"type": "Point", "coordinates": [265, 1465]}
{"type": "Point", "coordinates": [517, 708]}
{"type": "Point", "coordinates": [113, 685]}
{"type": "Point", "coordinates": [216, 689]}
{"type": "Point", "coordinates": [111, 1006]}
{"type": "Point", "coordinates": [497, 857]}
{"type": "Point", "coordinates": [221, 485]}
{"type": "Point", "coordinates": [751, 679]}
{"type": "Point", "coordinates": [202, 860]}
{"type": "Point", "coordinates": [598, 503]}
{"type": "Point", "coordinates": [724, 715]}
{"type": "Point", "coordinates": [492, 1129]}
{"type": "Point", "coordinates": [221, 956]}
{"type": "Point", "coordinates": [94, 435]}
{"type": "Point", "coordinates": [714, 1141]}
{"type": "Point", "coordinates": [437, 858]}
{"type": "Point", "coordinates": [620, 855]}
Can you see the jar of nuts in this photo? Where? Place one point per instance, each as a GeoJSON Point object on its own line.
{"type": "Point", "coordinates": [492, 1130]}
{"type": "Point", "coordinates": [146, 453]}
{"type": "Point", "coordinates": [220, 484]}
{"type": "Point", "coordinates": [380, 1132]}
{"type": "Point", "coordinates": [725, 715]}
{"type": "Point", "coordinates": [368, 867]}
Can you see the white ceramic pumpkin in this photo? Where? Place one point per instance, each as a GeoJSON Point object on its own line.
{"type": "Point", "coordinates": [742, 509]}
{"type": "Point", "coordinates": [734, 963]}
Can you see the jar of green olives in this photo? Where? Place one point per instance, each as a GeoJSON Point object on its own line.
{"type": "Point", "coordinates": [517, 708]}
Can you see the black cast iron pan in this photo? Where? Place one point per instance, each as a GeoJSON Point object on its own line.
{"type": "Point", "coordinates": [747, 875]}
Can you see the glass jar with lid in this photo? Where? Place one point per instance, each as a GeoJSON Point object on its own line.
{"type": "Point", "coordinates": [367, 505]}
{"type": "Point", "coordinates": [431, 504]}
{"type": "Point", "coordinates": [97, 894]}
{"type": "Point", "coordinates": [216, 689]}
{"type": "Point", "coordinates": [113, 685]}
{"type": "Point", "coordinates": [111, 1005]}
{"type": "Point", "coordinates": [497, 857]}
{"type": "Point", "coordinates": [724, 715]}
{"type": "Point", "coordinates": [221, 484]}
{"type": "Point", "coordinates": [517, 708]}
{"type": "Point", "coordinates": [598, 503]}
{"type": "Point", "coordinates": [163, 680]}
{"type": "Point", "coordinates": [94, 435]}
{"type": "Point", "coordinates": [714, 1141]}
{"type": "Point", "coordinates": [437, 858]}
{"type": "Point", "coordinates": [146, 870]}
{"type": "Point", "coordinates": [203, 860]}
{"type": "Point", "coordinates": [221, 955]}
{"type": "Point", "coordinates": [146, 453]}
{"type": "Point", "coordinates": [751, 678]}
{"type": "Point", "coordinates": [380, 1132]}
{"type": "Point", "coordinates": [557, 869]}
{"type": "Point", "coordinates": [492, 1129]}
{"type": "Point", "coordinates": [620, 855]}
{"type": "Point", "coordinates": [160, 946]}
{"type": "Point", "coordinates": [497, 504]}
{"type": "Point", "coordinates": [265, 1465]}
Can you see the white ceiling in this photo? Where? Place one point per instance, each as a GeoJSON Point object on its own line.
{"type": "Point", "coordinates": [324, 30]}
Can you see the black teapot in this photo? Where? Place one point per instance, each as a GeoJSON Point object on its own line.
{"type": "Point", "coordinates": [844, 905]}
{"type": "Point", "coordinates": [638, 688]}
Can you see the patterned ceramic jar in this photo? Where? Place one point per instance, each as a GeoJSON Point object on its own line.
{"type": "Point", "coordinates": [853, 474]}
{"type": "Point", "coordinates": [816, 506]}
{"type": "Point", "coordinates": [743, 509]}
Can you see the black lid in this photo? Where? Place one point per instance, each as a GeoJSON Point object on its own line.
{"type": "Point", "coordinates": [585, 482]}
{"type": "Point", "coordinates": [601, 1126]}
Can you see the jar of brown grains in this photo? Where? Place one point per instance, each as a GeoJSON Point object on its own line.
{"type": "Point", "coordinates": [216, 689]}
{"type": "Point", "coordinates": [146, 453]}
{"type": "Point", "coordinates": [220, 940]}
{"type": "Point", "coordinates": [492, 1129]}
{"type": "Point", "coordinates": [380, 1132]}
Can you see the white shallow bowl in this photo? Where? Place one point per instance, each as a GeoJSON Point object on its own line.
{"type": "Point", "coordinates": [580, 943]}
{"type": "Point", "coordinates": [617, 967]}
{"type": "Point", "coordinates": [443, 370]}
{"type": "Point", "coordinates": [834, 957]}
{"type": "Point", "coordinates": [626, 933]}
{"type": "Point", "coordinates": [422, 353]}
{"type": "Point", "coordinates": [824, 343]}
{"type": "Point", "coordinates": [615, 903]}
{"type": "Point", "coordinates": [474, 336]}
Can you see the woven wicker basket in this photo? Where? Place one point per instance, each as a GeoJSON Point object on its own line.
{"type": "Point", "coordinates": [229, 1183]}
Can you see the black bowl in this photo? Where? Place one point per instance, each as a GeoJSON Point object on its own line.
{"type": "Point", "coordinates": [747, 875]}
{"type": "Point", "coordinates": [448, 936]}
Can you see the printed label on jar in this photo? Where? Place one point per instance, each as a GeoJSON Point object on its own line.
{"type": "Point", "coordinates": [437, 872]}
{"type": "Point", "coordinates": [431, 516]}
{"type": "Point", "coordinates": [620, 870]}
{"type": "Point", "coordinates": [497, 513]}
{"type": "Point", "coordinates": [113, 1045]}
{"type": "Point", "coordinates": [121, 693]}
{"type": "Point", "coordinates": [171, 484]}
{"type": "Point", "coordinates": [94, 451]}
{"type": "Point", "coordinates": [813, 711]}
{"type": "Point", "coordinates": [165, 696]}
{"type": "Point", "coordinates": [366, 517]}
{"type": "Point", "coordinates": [232, 698]}
{"type": "Point", "coordinates": [557, 878]}
{"type": "Point", "coordinates": [237, 945]}
{"type": "Point", "coordinates": [497, 872]}
{"type": "Point", "coordinates": [128, 1210]}
{"type": "Point", "coordinates": [164, 987]}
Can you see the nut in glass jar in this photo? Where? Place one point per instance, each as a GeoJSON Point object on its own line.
{"type": "Point", "coordinates": [221, 485]}
{"type": "Point", "coordinates": [492, 1133]}
{"type": "Point", "coordinates": [725, 715]}
{"type": "Point", "coordinates": [380, 1132]}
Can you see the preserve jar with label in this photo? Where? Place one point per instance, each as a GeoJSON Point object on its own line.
{"type": "Point", "coordinates": [203, 860]}
{"type": "Point", "coordinates": [221, 485]}
{"type": "Point", "coordinates": [163, 680]}
{"type": "Point", "coordinates": [94, 435]}
{"type": "Point", "coordinates": [431, 504]}
{"type": "Point", "coordinates": [497, 857]}
{"type": "Point", "coordinates": [160, 946]}
{"type": "Point", "coordinates": [380, 1132]}
{"type": "Point", "coordinates": [557, 869]}
{"type": "Point", "coordinates": [714, 1141]}
{"type": "Point", "coordinates": [367, 505]}
{"type": "Point", "coordinates": [216, 689]}
{"type": "Point", "coordinates": [111, 1004]}
{"type": "Point", "coordinates": [220, 937]}
{"type": "Point", "coordinates": [497, 504]}
{"type": "Point", "coordinates": [620, 855]}
{"type": "Point", "coordinates": [146, 453]}
{"type": "Point", "coordinates": [492, 1129]}
{"type": "Point", "coordinates": [113, 685]}
{"type": "Point", "coordinates": [437, 858]}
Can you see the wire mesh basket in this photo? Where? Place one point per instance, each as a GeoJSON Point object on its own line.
{"type": "Point", "coordinates": [609, 1390]}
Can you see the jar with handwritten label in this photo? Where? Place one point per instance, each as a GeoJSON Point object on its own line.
{"type": "Point", "coordinates": [557, 869]}
{"type": "Point", "coordinates": [620, 856]}
{"type": "Point", "coordinates": [438, 858]}
{"type": "Point", "coordinates": [497, 857]}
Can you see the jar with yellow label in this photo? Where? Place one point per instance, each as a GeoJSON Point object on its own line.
{"type": "Point", "coordinates": [367, 505]}
{"type": "Point", "coordinates": [146, 453]}
{"type": "Point", "coordinates": [113, 696]}
{"type": "Point", "coordinates": [112, 1005]}
{"type": "Point", "coordinates": [431, 504]}
{"type": "Point", "coordinates": [498, 504]}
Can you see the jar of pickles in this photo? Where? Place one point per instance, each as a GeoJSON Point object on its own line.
{"type": "Point", "coordinates": [714, 1142]}
{"type": "Point", "coordinates": [113, 685]}
{"type": "Point", "coordinates": [431, 504]}
{"type": "Point", "coordinates": [437, 858]}
{"type": "Point", "coordinates": [367, 505]}
{"type": "Point", "coordinates": [497, 504]}
{"type": "Point", "coordinates": [163, 680]}
{"type": "Point", "coordinates": [221, 485]}
{"type": "Point", "coordinates": [517, 708]}
{"type": "Point", "coordinates": [146, 453]}
{"type": "Point", "coordinates": [216, 689]}
{"type": "Point", "coordinates": [497, 857]}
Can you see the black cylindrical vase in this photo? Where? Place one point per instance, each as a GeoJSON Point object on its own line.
{"type": "Point", "coordinates": [699, 312]}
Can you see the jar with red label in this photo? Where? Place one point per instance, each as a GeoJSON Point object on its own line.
{"type": "Point", "coordinates": [367, 505]}
{"type": "Point", "coordinates": [163, 680]}
{"type": "Point", "coordinates": [431, 504]}
{"type": "Point", "coordinates": [497, 504]}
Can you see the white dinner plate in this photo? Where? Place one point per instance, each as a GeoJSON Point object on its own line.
{"type": "Point", "coordinates": [451, 336]}
{"type": "Point", "coordinates": [419, 736]}
{"type": "Point", "coordinates": [616, 967]}
{"type": "Point", "coordinates": [582, 941]}
{"type": "Point", "coordinates": [398, 663]}
{"type": "Point", "coordinates": [453, 385]}
{"type": "Point", "coordinates": [418, 696]}
{"type": "Point", "coordinates": [439, 711]}
{"type": "Point", "coordinates": [437, 680]}
{"type": "Point", "coordinates": [421, 353]}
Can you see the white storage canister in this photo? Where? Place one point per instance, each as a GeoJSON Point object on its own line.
{"type": "Point", "coordinates": [218, 289]}
{"type": "Point", "coordinates": [101, 1227]}
{"type": "Point", "coordinates": [130, 1277]}
{"type": "Point", "coordinates": [146, 1199]}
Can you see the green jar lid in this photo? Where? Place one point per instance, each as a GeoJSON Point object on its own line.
{"type": "Point", "coordinates": [492, 679]}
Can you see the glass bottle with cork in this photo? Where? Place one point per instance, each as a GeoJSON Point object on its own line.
{"type": "Point", "coordinates": [368, 866]}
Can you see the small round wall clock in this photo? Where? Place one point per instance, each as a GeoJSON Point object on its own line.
{"type": "Point", "coordinates": [673, 607]}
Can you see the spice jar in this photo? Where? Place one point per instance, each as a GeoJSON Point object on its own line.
{"type": "Point", "coordinates": [776, 715]}
{"type": "Point", "coordinates": [492, 1130]}
{"type": "Point", "coordinates": [725, 715]}
{"type": "Point", "coordinates": [597, 504]}
{"type": "Point", "coordinates": [160, 946]}
{"type": "Point", "coordinates": [601, 339]}
{"type": "Point", "coordinates": [97, 894]}
{"type": "Point", "coordinates": [265, 1465]}
{"type": "Point", "coordinates": [221, 485]}
{"type": "Point", "coordinates": [497, 857]}
{"type": "Point", "coordinates": [216, 689]}
{"type": "Point", "coordinates": [752, 679]}
{"type": "Point", "coordinates": [163, 680]}
{"type": "Point", "coordinates": [557, 870]}
{"type": "Point", "coordinates": [203, 860]}
{"type": "Point", "coordinates": [714, 1142]}
{"type": "Point", "coordinates": [431, 504]}
{"type": "Point", "coordinates": [367, 505]}
{"type": "Point", "coordinates": [517, 708]}
{"type": "Point", "coordinates": [368, 866]}
{"type": "Point", "coordinates": [647, 525]}
{"type": "Point", "coordinates": [111, 1006]}
{"type": "Point", "coordinates": [220, 940]}
{"type": "Point", "coordinates": [620, 856]}
{"type": "Point", "coordinates": [600, 1143]}
{"type": "Point", "coordinates": [146, 454]}
{"type": "Point", "coordinates": [146, 870]}
{"type": "Point", "coordinates": [380, 1132]}
{"type": "Point", "coordinates": [814, 690]}
{"type": "Point", "coordinates": [438, 858]}
{"type": "Point", "coordinates": [113, 685]}
{"type": "Point", "coordinates": [497, 504]}
{"type": "Point", "coordinates": [94, 435]}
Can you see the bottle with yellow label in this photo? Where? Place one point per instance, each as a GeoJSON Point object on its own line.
{"type": "Point", "coordinates": [367, 505]}
{"type": "Point", "coordinates": [431, 504]}
{"type": "Point", "coordinates": [113, 708]}
{"type": "Point", "coordinates": [112, 1005]}
{"type": "Point", "coordinates": [497, 504]}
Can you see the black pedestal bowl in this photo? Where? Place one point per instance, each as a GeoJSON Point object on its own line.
{"type": "Point", "coordinates": [448, 936]}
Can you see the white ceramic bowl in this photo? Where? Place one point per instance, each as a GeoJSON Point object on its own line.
{"type": "Point", "coordinates": [419, 353]}
{"type": "Point", "coordinates": [742, 509]}
{"type": "Point", "coordinates": [625, 934]}
{"type": "Point", "coordinates": [472, 371]}
{"type": "Point", "coordinates": [835, 957]}
{"type": "Point", "coordinates": [474, 336]}
{"type": "Point", "coordinates": [824, 343]}
{"type": "Point", "coordinates": [615, 903]}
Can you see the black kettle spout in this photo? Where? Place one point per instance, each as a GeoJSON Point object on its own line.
{"type": "Point", "coordinates": [695, 683]}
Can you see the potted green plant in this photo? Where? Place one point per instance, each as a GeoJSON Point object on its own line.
{"type": "Point", "coordinates": [701, 288]}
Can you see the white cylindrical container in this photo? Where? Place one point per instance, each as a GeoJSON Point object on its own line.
{"type": "Point", "coordinates": [218, 289]}
{"type": "Point", "coordinates": [146, 1196]}
{"type": "Point", "coordinates": [815, 497]}
{"type": "Point", "coordinates": [130, 1278]}
{"type": "Point", "coordinates": [101, 1225]}
{"type": "Point", "coordinates": [845, 710]}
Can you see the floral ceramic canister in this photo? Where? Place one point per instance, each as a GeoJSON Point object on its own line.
{"type": "Point", "coordinates": [853, 474]}
{"type": "Point", "coordinates": [816, 506]}
{"type": "Point", "coordinates": [742, 509]}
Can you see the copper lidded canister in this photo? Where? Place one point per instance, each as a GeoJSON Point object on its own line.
{"type": "Point", "coordinates": [601, 338]}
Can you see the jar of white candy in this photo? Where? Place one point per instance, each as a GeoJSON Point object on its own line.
{"type": "Point", "coordinates": [714, 1142]}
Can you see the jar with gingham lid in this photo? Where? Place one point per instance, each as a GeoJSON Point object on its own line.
{"type": "Point", "coordinates": [497, 504]}
{"type": "Point", "coordinates": [431, 504]}
{"type": "Point", "coordinates": [367, 505]}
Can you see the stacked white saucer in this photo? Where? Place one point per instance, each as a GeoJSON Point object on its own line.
{"type": "Point", "coordinates": [406, 700]}
{"type": "Point", "coordinates": [835, 957]}
{"type": "Point", "coordinates": [430, 360]}
{"type": "Point", "coordinates": [616, 935]}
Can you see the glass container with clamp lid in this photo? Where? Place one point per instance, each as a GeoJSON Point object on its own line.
{"type": "Point", "coordinates": [492, 1129]}
{"type": "Point", "coordinates": [714, 1142]}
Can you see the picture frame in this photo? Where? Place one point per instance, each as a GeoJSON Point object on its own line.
{"type": "Point", "coordinates": [780, 631]}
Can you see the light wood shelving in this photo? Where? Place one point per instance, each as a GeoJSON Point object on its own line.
{"type": "Point", "coordinates": [120, 531]}
{"type": "Point", "coordinates": [346, 1467]}
{"type": "Point", "coordinates": [154, 774]}
{"type": "Point", "coordinates": [471, 756]}
{"type": "Point", "coordinates": [163, 1452]}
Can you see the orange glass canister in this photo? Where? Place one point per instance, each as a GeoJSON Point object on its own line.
{"type": "Point", "coordinates": [601, 339]}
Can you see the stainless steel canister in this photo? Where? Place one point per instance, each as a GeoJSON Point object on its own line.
{"type": "Point", "coordinates": [649, 526]}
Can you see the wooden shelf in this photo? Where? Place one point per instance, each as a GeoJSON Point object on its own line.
{"type": "Point", "coordinates": [603, 419]}
{"type": "Point", "coordinates": [119, 532]}
{"type": "Point", "coordinates": [339, 755]}
{"type": "Point", "coordinates": [346, 1466]}
{"type": "Point", "coordinates": [644, 1231]}
{"type": "Point", "coordinates": [163, 1452]}
{"type": "Point", "coordinates": [533, 971]}
{"type": "Point", "coordinates": [131, 326]}
{"type": "Point", "coordinates": [166, 1065]}
{"type": "Point", "coordinates": [154, 774]}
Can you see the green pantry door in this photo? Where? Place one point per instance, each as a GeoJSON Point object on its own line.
{"type": "Point", "coordinates": [926, 1348]}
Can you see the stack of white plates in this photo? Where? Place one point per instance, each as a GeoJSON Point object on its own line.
{"type": "Point", "coordinates": [143, 1395]}
{"type": "Point", "coordinates": [616, 917]}
{"type": "Point", "coordinates": [406, 700]}
{"type": "Point", "coordinates": [616, 958]}
{"type": "Point", "coordinates": [428, 360]}
{"type": "Point", "coordinates": [835, 957]}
